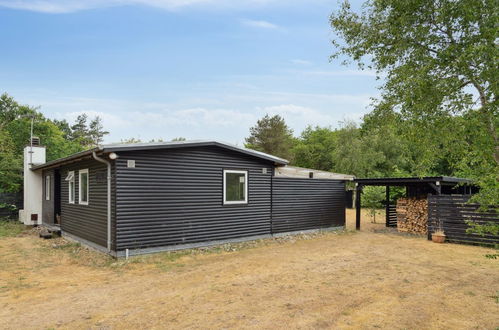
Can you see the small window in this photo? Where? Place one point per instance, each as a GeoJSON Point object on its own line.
{"type": "Point", "coordinates": [235, 187]}
{"type": "Point", "coordinates": [83, 187]}
{"type": "Point", "coordinates": [71, 187]}
{"type": "Point", "coordinates": [47, 188]}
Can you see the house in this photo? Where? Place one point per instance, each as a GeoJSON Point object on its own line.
{"type": "Point", "coordinates": [148, 197]}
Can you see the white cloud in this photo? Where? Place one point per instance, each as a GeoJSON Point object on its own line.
{"type": "Point", "coordinates": [367, 73]}
{"type": "Point", "coordinates": [301, 62]}
{"type": "Point", "coordinates": [258, 24]}
{"type": "Point", "coordinates": [298, 117]}
{"type": "Point", "coordinates": [224, 116]}
{"type": "Point", "coordinates": [67, 6]}
{"type": "Point", "coordinates": [195, 117]}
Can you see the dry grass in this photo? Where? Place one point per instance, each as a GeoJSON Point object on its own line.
{"type": "Point", "coordinates": [332, 280]}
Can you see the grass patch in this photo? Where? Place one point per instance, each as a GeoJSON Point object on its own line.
{"type": "Point", "coordinates": [169, 260]}
{"type": "Point", "coordinates": [10, 228]}
{"type": "Point", "coordinates": [163, 261]}
{"type": "Point", "coordinates": [75, 252]}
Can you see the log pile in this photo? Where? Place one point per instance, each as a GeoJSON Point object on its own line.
{"type": "Point", "coordinates": [412, 215]}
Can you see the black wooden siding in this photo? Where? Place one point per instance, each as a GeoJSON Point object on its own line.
{"type": "Point", "coordinates": [301, 204]}
{"type": "Point", "coordinates": [450, 213]}
{"type": "Point", "coordinates": [392, 216]}
{"type": "Point", "coordinates": [86, 221]}
{"type": "Point", "coordinates": [175, 196]}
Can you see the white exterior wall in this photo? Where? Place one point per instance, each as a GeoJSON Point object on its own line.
{"type": "Point", "coordinates": [33, 185]}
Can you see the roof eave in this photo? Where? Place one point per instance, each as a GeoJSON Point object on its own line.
{"type": "Point", "coordinates": [117, 148]}
{"type": "Point", "coordinates": [70, 159]}
{"type": "Point", "coordinates": [412, 180]}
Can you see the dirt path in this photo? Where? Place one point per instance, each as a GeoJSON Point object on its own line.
{"type": "Point", "coordinates": [349, 280]}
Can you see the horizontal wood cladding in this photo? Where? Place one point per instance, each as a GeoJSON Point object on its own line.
{"type": "Point", "coordinates": [301, 204]}
{"type": "Point", "coordinates": [175, 196]}
{"type": "Point", "coordinates": [86, 221]}
{"type": "Point", "coordinates": [450, 213]}
{"type": "Point", "coordinates": [392, 216]}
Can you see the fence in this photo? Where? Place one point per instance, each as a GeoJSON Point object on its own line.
{"type": "Point", "coordinates": [391, 216]}
{"type": "Point", "coordinates": [450, 213]}
{"type": "Point", "coordinates": [6, 202]}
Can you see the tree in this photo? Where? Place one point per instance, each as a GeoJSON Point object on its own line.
{"type": "Point", "coordinates": [353, 154]}
{"type": "Point", "coordinates": [131, 140]}
{"type": "Point", "coordinates": [80, 132]}
{"type": "Point", "coordinates": [440, 61]}
{"type": "Point", "coordinates": [96, 131]}
{"type": "Point", "coordinates": [10, 164]}
{"type": "Point", "coordinates": [63, 125]}
{"type": "Point", "coordinates": [315, 148]}
{"type": "Point", "coordinates": [271, 135]}
{"type": "Point", "coordinates": [15, 122]}
{"type": "Point", "coordinates": [372, 198]}
{"type": "Point", "coordinates": [10, 110]}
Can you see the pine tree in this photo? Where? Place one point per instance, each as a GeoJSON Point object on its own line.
{"type": "Point", "coordinates": [96, 131]}
{"type": "Point", "coordinates": [63, 125]}
{"type": "Point", "coordinates": [271, 135]}
{"type": "Point", "coordinates": [79, 131]}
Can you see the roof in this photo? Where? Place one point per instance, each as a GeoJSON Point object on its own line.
{"type": "Point", "coordinates": [117, 147]}
{"type": "Point", "coordinates": [301, 172]}
{"type": "Point", "coordinates": [411, 181]}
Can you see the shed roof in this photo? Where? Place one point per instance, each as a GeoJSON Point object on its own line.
{"type": "Point", "coordinates": [301, 172]}
{"type": "Point", "coordinates": [444, 180]}
{"type": "Point", "coordinates": [116, 147]}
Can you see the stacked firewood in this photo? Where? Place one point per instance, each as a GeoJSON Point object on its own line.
{"type": "Point", "coordinates": [412, 215]}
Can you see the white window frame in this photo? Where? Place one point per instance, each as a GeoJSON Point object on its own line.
{"type": "Point", "coordinates": [71, 192]}
{"type": "Point", "coordinates": [47, 187]}
{"type": "Point", "coordinates": [80, 172]}
{"type": "Point", "coordinates": [225, 201]}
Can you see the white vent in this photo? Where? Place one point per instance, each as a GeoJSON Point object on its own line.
{"type": "Point", "coordinates": [130, 163]}
{"type": "Point", "coordinates": [35, 141]}
{"type": "Point", "coordinates": [264, 170]}
{"type": "Point", "coordinates": [70, 176]}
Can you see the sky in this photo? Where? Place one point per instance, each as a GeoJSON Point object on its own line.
{"type": "Point", "coordinates": [199, 69]}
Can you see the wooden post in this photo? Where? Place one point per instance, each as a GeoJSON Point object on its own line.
{"type": "Point", "coordinates": [358, 192]}
{"type": "Point", "coordinates": [387, 206]}
{"type": "Point", "coordinates": [428, 222]}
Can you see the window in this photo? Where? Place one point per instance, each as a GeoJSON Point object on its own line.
{"type": "Point", "coordinates": [47, 188]}
{"type": "Point", "coordinates": [83, 187]}
{"type": "Point", "coordinates": [71, 187]}
{"type": "Point", "coordinates": [235, 187]}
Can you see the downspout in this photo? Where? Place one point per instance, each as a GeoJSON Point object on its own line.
{"type": "Point", "coordinates": [102, 160]}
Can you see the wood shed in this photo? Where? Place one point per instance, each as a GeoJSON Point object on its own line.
{"type": "Point", "coordinates": [410, 213]}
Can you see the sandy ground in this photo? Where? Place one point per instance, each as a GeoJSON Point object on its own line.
{"type": "Point", "coordinates": [341, 280]}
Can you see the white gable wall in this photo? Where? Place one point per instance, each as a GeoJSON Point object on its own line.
{"type": "Point", "coordinates": [33, 186]}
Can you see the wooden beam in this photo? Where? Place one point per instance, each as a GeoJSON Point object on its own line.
{"type": "Point", "coordinates": [387, 215]}
{"type": "Point", "coordinates": [358, 193]}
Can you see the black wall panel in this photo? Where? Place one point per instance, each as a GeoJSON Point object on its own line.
{"type": "Point", "coordinates": [175, 196]}
{"type": "Point", "coordinates": [86, 221]}
{"type": "Point", "coordinates": [301, 204]}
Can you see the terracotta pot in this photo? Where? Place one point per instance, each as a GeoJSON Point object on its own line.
{"type": "Point", "coordinates": [438, 238]}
